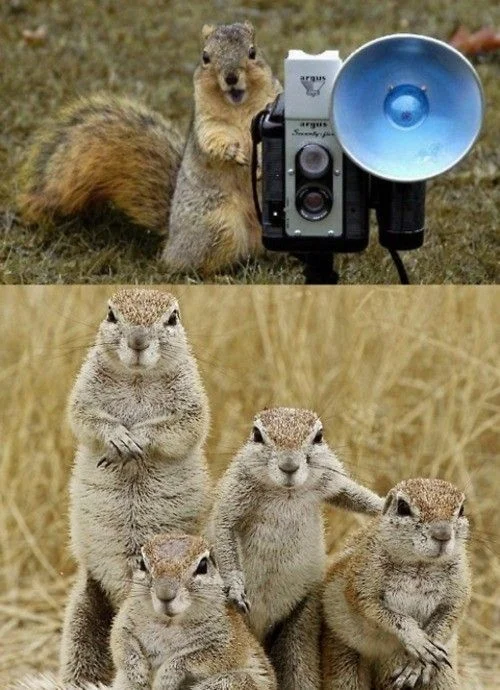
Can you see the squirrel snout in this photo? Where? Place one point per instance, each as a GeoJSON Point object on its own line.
{"type": "Point", "coordinates": [231, 79]}
{"type": "Point", "coordinates": [166, 591]}
{"type": "Point", "coordinates": [289, 466]}
{"type": "Point", "coordinates": [138, 340]}
{"type": "Point", "coordinates": [441, 531]}
{"type": "Point", "coordinates": [169, 597]}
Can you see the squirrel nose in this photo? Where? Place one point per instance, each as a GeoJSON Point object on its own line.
{"type": "Point", "coordinates": [167, 598]}
{"type": "Point", "coordinates": [441, 531]}
{"type": "Point", "coordinates": [290, 465]}
{"type": "Point", "coordinates": [138, 340]}
{"type": "Point", "coordinates": [231, 79]}
{"type": "Point", "coordinates": [166, 591]}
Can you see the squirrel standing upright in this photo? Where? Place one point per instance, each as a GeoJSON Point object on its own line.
{"type": "Point", "coordinates": [106, 149]}
{"type": "Point", "coordinates": [267, 529]}
{"type": "Point", "coordinates": [140, 415]}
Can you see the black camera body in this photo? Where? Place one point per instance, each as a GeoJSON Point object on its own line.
{"type": "Point", "coordinates": [400, 207]}
{"type": "Point", "coordinates": [365, 133]}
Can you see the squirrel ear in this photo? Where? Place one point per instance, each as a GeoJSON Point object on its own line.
{"type": "Point", "coordinates": [207, 31]}
{"type": "Point", "coordinates": [248, 25]}
{"type": "Point", "coordinates": [388, 502]}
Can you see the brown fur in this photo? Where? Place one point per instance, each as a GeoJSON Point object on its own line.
{"type": "Point", "coordinates": [205, 645]}
{"type": "Point", "coordinates": [168, 557]}
{"type": "Point", "coordinates": [386, 601]}
{"type": "Point", "coordinates": [435, 498]}
{"type": "Point", "coordinates": [88, 621]}
{"type": "Point", "coordinates": [102, 149]}
{"type": "Point", "coordinates": [142, 307]}
{"type": "Point", "coordinates": [116, 505]}
{"type": "Point", "coordinates": [288, 427]}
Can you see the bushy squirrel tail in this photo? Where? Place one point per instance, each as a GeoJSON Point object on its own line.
{"type": "Point", "coordinates": [102, 150]}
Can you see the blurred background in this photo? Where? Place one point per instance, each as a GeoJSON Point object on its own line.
{"type": "Point", "coordinates": [407, 382]}
{"type": "Point", "coordinates": [55, 50]}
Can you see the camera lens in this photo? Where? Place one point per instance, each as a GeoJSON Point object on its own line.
{"type": "Point", "coordinates": [314, 161]}
{"type": "Point", "coordinates": [314, 203]}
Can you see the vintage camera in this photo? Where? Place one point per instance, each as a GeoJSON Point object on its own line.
{"type": "Point", "coordinates": [346, 137]}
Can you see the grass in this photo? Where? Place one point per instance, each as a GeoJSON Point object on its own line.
{"type": "Point", "coordinates": [406, 380]}
{"type": "Point", "coordinates": [148, 50]}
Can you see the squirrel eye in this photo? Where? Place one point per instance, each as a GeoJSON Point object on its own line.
{"type": "Point", "coordinates": [257, 436]}
{"type": "Point", "coordinates": [205, 57]}
{"type": "Point", "coordinates": [202, 568]}
{"type": "Point", "coordinates": [142, 565]}
{"type": "Point", "coordinates": [403, 508]}
{"type": "Point", "coordinates": [461, 512]}
{"type": "Point", "coordinates": [252, 53]}
{"type": "Point", "coordinates": [111, 316]}
{"type": "Point", "coordinates": [173, 319]}
{"type": "Point", "coordinates": [319, 437]}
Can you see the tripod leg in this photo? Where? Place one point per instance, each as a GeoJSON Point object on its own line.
{"type": "Point", "coordinates": [318, 268]}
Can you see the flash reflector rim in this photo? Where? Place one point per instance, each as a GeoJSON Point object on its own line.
{"type": "Point", "coordinates": [425, 39]}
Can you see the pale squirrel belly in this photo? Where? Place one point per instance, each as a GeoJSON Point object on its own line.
{"type": "Point", "coordinates": [283, 557]}
{"type": "Point", "coordinates": [115, 510]}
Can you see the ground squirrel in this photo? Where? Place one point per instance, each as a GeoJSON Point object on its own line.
{"type": "Point", "coordinates": [213, 221]}
{"type": "Point", "coordinates": [176, 629]}
{"type": "Point", "coordinates": [140, 415]}
{"type": "Point", "coordinates": [267, 528]}
{"type": "Point", "coordinates": [393, 600]}
{"type": "Point", "coordinates": [105, 149]}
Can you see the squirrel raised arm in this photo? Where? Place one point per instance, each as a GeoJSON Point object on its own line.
{"type": "Point", "coordinates": [268, 534]}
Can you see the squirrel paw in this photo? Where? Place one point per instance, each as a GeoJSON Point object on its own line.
{"type": "Point", "coordinates": [413, 674]}
{"type": "Point", "coordinates": [427, 652]}
{"type": "Point", "coordinates": [234, 152]}
{"type": "Point", "coordinates": [237, 595]}
{"type": "Point", "coordinates": [122, 448]}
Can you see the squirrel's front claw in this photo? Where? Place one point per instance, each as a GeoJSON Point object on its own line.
{"type": "Point", "coordinates": [121, 449]}
{"type": "Point", "coordinates": [235, 152]}
{"type": "Point", "coordinates": [427, 651]}
{"type": "Point", "coordinates": [237, 596]}
{"type": "Point", "coordinates": [410, 675]}
{"type": "Point", "coordinates": [242, 159]}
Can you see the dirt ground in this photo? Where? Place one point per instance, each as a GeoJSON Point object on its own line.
{"type": "Point", "coordinates": [148, 50]}
{"type": "Point", "coordinates": [406, 381]}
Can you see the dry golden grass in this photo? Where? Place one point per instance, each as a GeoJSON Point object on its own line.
{"type": "Point", "coordinates": [407, 381]}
